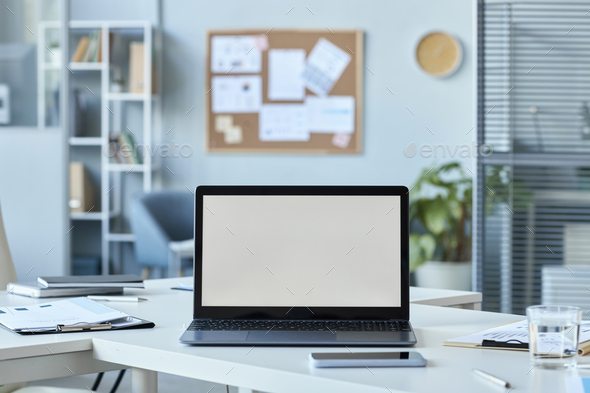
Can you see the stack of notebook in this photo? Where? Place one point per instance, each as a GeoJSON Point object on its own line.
{"type": "Point", "coordinates": [76, 286]}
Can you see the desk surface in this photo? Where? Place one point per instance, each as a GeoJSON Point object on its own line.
{"type": "Point", "coordinates": [286, 369]}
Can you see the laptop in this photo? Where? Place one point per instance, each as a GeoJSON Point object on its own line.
{"type": "Point", "coordinates": [301, 265]}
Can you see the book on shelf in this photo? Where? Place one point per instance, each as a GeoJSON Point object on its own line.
{"type": "Point", "coordinates": [89, 49]}
{"type": "Point", "coordinates": [123, 149]}
{"type": "Point", "coordinates": [136, 67]}
{"type": "Point", "coordinates": [35, 290]}
{"type": "Point", "coordinates": [80, 50]}
{"type": "Point", "coordinates": [114, 280]}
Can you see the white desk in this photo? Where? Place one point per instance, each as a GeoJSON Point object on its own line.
{"type": "Point", "coordinates": [446, 298]}
{"type": "Point", "coordinates": [150, 351]}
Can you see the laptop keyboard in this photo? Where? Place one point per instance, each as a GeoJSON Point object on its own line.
{"type": "Point", "coordinates": [297, 325]}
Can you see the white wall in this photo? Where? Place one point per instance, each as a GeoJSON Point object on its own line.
{"type": "Point", "coordinates": [392, 28]}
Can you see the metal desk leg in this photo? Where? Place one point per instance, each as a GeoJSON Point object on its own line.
{"type": "Point", "coordinates": [144, 381]}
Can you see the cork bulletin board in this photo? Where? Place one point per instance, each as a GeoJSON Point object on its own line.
{"type": "Point", "coordinates": [284, 91]}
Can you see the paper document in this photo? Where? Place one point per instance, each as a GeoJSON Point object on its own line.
{"type": "Point", "coordinates": [236, 94]}
{"type": "Point", "coordinates": [47, 316]}
{"type": "Point", "coordinates": [235, 54]}
{"type": "Point", "coordinates": [285, 67]}
{"type": "Point", "coordinates": [283, 122]}
{"type": "Point", "coordinates": [325, 64]}
{"type": "Point", "coordinates": [334, 114]}
{"type": "Point", "coordinates": [515, 331]}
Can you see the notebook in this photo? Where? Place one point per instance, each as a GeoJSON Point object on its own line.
{"type": "Point", "coordinates": [76, 314]}
{"type": "Point", "coordinates": [115, 280]}
{"type": "Point", "coordinates": [512, 336]}
{"type": "Point", "coordinates": [34, 289]}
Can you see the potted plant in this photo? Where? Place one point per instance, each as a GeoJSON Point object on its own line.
{"type": "Point", "coordinates": [440, 226]}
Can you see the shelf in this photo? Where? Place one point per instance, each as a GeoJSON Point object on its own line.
{"type": "Point", "coordinates": [85, 141]}
{"type": "Point", "coordinates": [126, 167]}
{"type": "Point", "coordinates": [129, 97]}
{"type": "Point", "coordinates": [121, 237]}
{"type": "Point", "coordinates": [117, 24]}
{"type": "Point", "coordinates": [80, 66]}
{"type": "Point", "coordinates": [91, 216]}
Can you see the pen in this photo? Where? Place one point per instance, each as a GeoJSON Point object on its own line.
{"type": "Point", "coordinates": [491, 378]}
{"type": "Point", "coordinates": [116, 298]}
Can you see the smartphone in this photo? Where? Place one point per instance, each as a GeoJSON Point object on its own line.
{"type": "Point", "coordinates": [367, 359]}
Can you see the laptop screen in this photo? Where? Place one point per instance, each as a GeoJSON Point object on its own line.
{"type": "Point", "coordinates": [301, 251]}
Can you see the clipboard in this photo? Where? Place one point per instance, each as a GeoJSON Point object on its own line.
{"type": "Point", "coordinates": [136, 323]}
{"type": "Point", "coordinates": [67, 316]}
{"type": "Point", "coordinates": [511, 345]}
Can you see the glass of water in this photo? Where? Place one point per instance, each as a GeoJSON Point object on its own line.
{"type": "Point", "coordinates": [553, 335]}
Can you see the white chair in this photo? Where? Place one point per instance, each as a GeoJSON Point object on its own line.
{"type": "Point", "coordinates": [8, 274]}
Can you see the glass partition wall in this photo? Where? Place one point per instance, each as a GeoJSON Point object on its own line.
{"type": "Point", "coordinates": [30, 59]}
{"type": "Point", "coordinates": [533, 192]}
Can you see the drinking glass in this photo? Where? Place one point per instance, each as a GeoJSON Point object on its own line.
{"type": "Point", "coordinates": [553, 335]}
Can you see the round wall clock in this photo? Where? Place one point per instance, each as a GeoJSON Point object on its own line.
{"type": "Point", "coordinates": [439, 54]}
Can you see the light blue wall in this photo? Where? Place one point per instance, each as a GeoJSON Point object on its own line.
{"type": "Point", "coordinates": [31, 188]}
{"type": "Point", "coordinates": [392, 29]}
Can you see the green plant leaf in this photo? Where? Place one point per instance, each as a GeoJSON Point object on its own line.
{"type": "Point", "coordinates": [421, 249]}
{"type": "Point", "coordinates": [436, 215]}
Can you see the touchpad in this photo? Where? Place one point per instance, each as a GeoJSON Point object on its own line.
{"type": "Point", "coordinates": [367, 336]}
{"type": "Point", "coordinates": [222, 335]}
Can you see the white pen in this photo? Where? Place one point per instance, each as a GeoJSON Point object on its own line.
{"type": "Point", "coordinates": [116, 298]}
{"type": "Point", "coordinates": [491, 378]}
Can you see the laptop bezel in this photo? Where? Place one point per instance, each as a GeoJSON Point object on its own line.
{"type": "Point", "coordinates": [317, 313]}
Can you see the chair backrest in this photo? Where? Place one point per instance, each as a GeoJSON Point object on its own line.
{"type": "Point", "coordinates": [158, 218]}
{"type": "Point", "coordinates": [174, 212]}
{"type": "Point", "coordinates": [7, 272]}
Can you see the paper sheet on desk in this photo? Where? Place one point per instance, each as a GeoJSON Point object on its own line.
{"type": "Point", "coordinates": [47, 316]}
{"type": "Point", "coordinates": [517, 331]}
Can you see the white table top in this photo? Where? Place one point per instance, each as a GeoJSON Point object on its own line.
{"type": "Point", "coordinates": [443, 297]}
{"type": "Point", "coordinates": [275, 369]}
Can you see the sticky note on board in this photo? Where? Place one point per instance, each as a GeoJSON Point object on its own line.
{"type": "Point", "coordinates": [233, 135]}
{"type": "Point", "coordinates": [261, 42]}
{"type": "Point", "coordinates": [341, 140]}
{"type": "Point", "coordinates": [223, 122]}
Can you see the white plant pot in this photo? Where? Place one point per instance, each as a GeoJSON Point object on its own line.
{"type": "Point", "coordinates": [444, 275]}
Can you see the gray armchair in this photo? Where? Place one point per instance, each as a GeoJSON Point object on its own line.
{"type": "Point", "coordinates": [162, 221]}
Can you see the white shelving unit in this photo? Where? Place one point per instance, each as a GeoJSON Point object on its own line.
{"type": "Point", "coordinates": [113, 175]}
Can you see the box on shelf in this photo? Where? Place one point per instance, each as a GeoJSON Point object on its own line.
{"type": "Point", "coordinates": [137, 68]}
{"type": "Point", "coordinates": [81, 189]}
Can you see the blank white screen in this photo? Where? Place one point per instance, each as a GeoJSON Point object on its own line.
{"type": "Point", "coordinates": [322, 251]}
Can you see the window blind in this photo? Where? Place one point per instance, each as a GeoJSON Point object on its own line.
{"type": "Point", "coordinates": [533, 191]}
